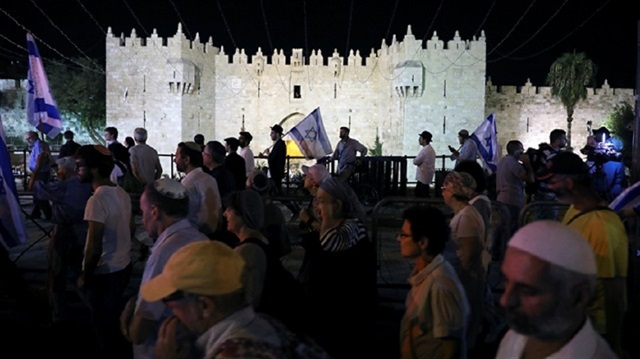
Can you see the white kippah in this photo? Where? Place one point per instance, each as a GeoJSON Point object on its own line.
{"type": "Point", "coordinates": [170, 188]}
{"type": "Point", "coordinates": [556, 243]}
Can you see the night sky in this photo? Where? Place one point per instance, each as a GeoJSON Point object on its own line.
{"type": "Point", "coordinates": [523, 38]}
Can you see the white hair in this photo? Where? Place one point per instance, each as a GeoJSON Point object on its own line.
{"type": "Point", "coordinates": [140, 134]}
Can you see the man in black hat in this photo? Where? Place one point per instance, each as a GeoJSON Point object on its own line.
{"type": "Point", "coordinates": [277, 157]}
{"type": "Point", "coordinates": [426, 165]}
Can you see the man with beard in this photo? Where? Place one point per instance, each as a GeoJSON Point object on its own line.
{"type": "Point", "coordinates": [107, 254]}
{"type": "Point", "coordinates": [570, 180]}
{"type": "Point", "coordinates": [164, 205]}
{"type": "Point", "coordinates": [277, 157]}
{"type": "Point", "coordinates": [204, 197]}
{"type": "Point", "coordinates": [550, 278]}
{"type": "Point", "coordinates": [346, 154]}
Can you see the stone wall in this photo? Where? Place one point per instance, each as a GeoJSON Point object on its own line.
{"type": "Point", "coordinates": [176, 88]}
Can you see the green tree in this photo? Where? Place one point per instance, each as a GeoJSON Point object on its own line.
{"type": "Point", "coordinates": [80, 92]}
{"type": "Point", "coordinates": [568, 77]}
{"type": "Point", "coordinates": [620, 123]}
{"type": "Point", "coordinates": [376, 150]}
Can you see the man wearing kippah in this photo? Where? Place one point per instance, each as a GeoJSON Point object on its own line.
{"type": "Point", "coordinates": [165, 205]}
{"type": "Point", "coordinates": [107, 255]}
{"type": "Point", "coordinates": [568, 177]}
{"type": "Point", "coordinates": [550, 279]}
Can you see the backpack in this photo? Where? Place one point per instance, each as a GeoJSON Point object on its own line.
{"type": "Point", "coordinates": [128, 181]}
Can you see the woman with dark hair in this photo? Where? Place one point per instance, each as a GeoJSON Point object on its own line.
{"type": "Point", "coordinates": [466, 247]}
{"type": "Point", "coordinates": [434, 324]}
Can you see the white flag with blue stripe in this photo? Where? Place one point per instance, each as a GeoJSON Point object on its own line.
{"type": "Point", "coordinates": [311, 137]}
{"type": "Point", "coordinates": [486, 139]}
{"type": "Point", "coordinates": [42, 111]}
{"type": "Point", "coordinates": [12, 229]}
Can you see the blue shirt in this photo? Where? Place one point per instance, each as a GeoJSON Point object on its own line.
{"type": "Point", "coordinates": [68, 199]}
{"type": "Point", "coordinates": [37, 148]}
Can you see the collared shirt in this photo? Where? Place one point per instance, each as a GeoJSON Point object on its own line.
{"type": "Point", "coordinates": [249, 160]}
{"type": "Point", "coordinates": [426, 162]}
{"type": "Point", "coordinates": [345, 153]}
{"type": "Point", "coordinates": [145, 159]}
{"type": "Point", "coordinates": [204, 200]}
{"type": "Point", "coordinates": [468, 152]}
{"type": "Point", "coordinates": [436, 308]}
{"type": "Point", "coordinates": [259, 338]}
{"type": "Point", "coordinates": [586, 344]}
{"type": "Point", "coordinates": [509, 183]}
{"type": "Point", "coordinates": [169, 241]}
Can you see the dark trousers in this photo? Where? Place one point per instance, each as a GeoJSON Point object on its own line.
{"type": "Point", "coordinates": [41, 206]}
{"type": "Point", "coordinates": [422, 190]}
{"type": "Point", "coordinates": [66, 250]}
{"type": "Point", "coordinates": [105, 296]}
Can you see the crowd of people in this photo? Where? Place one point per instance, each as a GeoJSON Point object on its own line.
{"type": "Point", "coordinates": [214, 286]}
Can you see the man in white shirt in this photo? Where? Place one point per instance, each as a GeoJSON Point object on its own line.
{"type": "Point", "coordinates": [245, 151]}
{"type": "Point", "coordinates": [550, 279]}
{"type": "Point", "coordinates": [204, 197]}
{"type": "Point", "coordinates": [426, 165]}
{"type": "Point", "coordinates": [106, 266]}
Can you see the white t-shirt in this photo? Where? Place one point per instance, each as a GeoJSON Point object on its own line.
{"type": "Point", "coordinates": [204, 200]}
{"type": "Point", "coordinates": [249, 160]}
{"type": "Point", "coordinates": [111, 206]}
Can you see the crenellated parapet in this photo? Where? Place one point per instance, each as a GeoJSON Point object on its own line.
{"type": "Point", "coordinates": [528, 90]}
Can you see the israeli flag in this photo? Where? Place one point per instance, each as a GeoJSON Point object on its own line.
{"type": "Point", "coordinates": [42, 111]}
{"type": "Point", "coordinates": [486, 139]}
{"type": "Point", "coordinates": [12, 229]}
{"type": "Point", "coordinates": [311, 137]}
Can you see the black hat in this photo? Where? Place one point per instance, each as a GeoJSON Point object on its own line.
{"type": "Point", "coordinates": [277, 129]}
{"type": "Point", "coordinates": [246, 135]}
{"type": "Point", "coordinates": [426, 135]}
{"type": "Point", "coordinates": [564, 163]}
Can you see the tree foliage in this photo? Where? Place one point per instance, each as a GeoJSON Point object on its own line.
{"type": "Point", "coordinates": [376, 150]}
{"type": "Point", "coordinates": [568, 77]}
{"type": "Point", "coordinates": [620, 124]}
{"type": "Point", "coordinates": [80, 92]}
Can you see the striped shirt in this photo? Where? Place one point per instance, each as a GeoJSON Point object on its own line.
{"type": "Point", "coordinates": [346, 235]}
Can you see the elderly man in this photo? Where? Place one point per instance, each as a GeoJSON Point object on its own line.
{"type": "Point", "coordinates": [346, 153]}
{"type": "Point", "coordinates": [68, 198]}
{"type": "Point", "coordinates": [204, 198]}
{"type": "Point", "coordinates": [203, 284]}
{"type": "Point", "coordinates": [145, 163]}
{"type": "Point", "coordinates": [43, 173]}
{"type": "Point", "coordinates": [550, 279]}
{"type": "Point", "coordinates": [571, 182]}
{"type": "Point", "coordinates": [164, 205]}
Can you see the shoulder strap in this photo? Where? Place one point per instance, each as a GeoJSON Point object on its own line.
{"type": "Point", "coordinates": [596, 208]}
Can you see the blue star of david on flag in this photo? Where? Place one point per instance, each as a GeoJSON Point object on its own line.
{"type": "Point", "coordinates": [311, 137]}
{"type": "Point", "coordinates": [486, 139]}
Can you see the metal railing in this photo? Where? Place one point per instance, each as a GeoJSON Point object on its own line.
{"type": "Point", "coordinates": [388, 173]}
